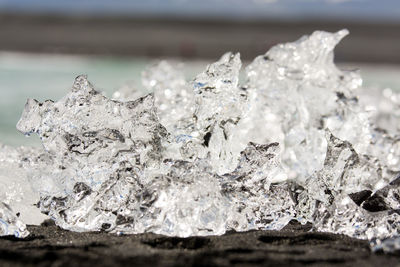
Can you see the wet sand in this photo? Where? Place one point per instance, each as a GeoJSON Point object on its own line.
{"type": "Point", "coordinates": [48, 245]}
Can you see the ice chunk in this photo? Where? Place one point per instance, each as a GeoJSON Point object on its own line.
{"type": "Point", "coordinates": [186, 200]}
{"type": "Point", "coordinates": [386, 245]}
{"type": "Point", "coordinates": [173, 96]}
{"type": "Point", "coordinates": [89, 139]}
{"type": "Point", "coordinates": [294, 90]}
{"type": "Point", "coordinates": [128, 92]}
{"type": "Point", "coordinates": [15, 188]}
{"type": "Point", "coordinates": [112, 174]}
{"type": "Point", "coordinates": [16, 195]}
{"type": "Point", "coordinates": [10, 224]}
{"type": "Point", "coordinates": [219, 104]}
{"type": "Point", "coordinates": [258, 187]}
{"type": "Point", "coordinates": [203, 157]}
{"type": "Point", "coordinates": [343, 196]}
{"type": "Point", "coordinates": [386, 106]}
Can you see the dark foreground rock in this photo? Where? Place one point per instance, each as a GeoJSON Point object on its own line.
{"type": "Point", "coordinates": [48, 245]}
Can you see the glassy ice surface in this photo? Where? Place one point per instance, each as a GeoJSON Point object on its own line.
{"type": "Point", "coordinates": [16, 191]}
{"type": "Point", "coordinates": [10, 224]}
{"type": "Point", "coordinates": [298, 139]}
{"type": "Point", "coordinates": [16, 194]}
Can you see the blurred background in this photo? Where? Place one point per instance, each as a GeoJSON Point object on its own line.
{"type": "Point", "coordinates": [45, 44]}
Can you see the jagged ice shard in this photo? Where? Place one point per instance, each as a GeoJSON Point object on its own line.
{"type": "Point", "coordinates": [17, 198]}
{"type": "Point", "coordinates": [293, 141]}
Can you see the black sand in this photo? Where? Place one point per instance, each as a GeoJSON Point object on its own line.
{"type": "Point", "coordinates": [294, 246]}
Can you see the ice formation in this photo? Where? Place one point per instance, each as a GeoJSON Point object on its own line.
{"type": "Point", "coordinates": [10, 224]}
{"type": "Point", "coordinates": [291, 142]}
{"type": "Point", "coordinates": [16, 194]}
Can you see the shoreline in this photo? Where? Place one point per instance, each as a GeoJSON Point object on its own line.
{"type": "Point", "coordinates": [188, 38]}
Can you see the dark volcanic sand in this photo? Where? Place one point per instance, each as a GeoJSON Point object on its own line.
{"type": "Point", "coordinates": [294, 246]}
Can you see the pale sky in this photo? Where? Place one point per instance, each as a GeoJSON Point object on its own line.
{"type": "Point", "coordinates": [367, 10]}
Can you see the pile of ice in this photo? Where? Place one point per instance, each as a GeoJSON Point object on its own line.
{"type": "Point", "coordinates": [16, 195]}
{"type": "Point", "coordinates": [291, 142]}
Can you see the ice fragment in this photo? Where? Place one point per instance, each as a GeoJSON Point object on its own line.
{"type": "Point", "coordinates": [293, 141]}
{"type": "Point", "coordinates": [10, 224]}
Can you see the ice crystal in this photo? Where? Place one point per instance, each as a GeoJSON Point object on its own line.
{"type": "Point", "coordinates": [386, 245]}
{"type": "Point", "coordinates": [291, 142]}
{"type": "Point", "coordinates": [16, 194]}
{"type": "Point", "coordinates": [10, 224]}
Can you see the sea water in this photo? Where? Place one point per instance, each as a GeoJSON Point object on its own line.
{"type": "Point", "coordinates": [48, 76]}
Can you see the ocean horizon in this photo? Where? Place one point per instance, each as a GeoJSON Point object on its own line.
{"type": "Point", "coordinates": [49, 76]}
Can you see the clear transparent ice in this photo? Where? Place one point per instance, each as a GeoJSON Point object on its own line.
{"type": "Point", "coordinates": [298, 139]}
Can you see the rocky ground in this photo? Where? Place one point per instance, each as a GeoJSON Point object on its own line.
{"type": "Point", "coordinates": [49, 245]}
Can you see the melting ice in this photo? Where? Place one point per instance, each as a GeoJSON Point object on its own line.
{"type": "Point", "coordinates": [293, 141]}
